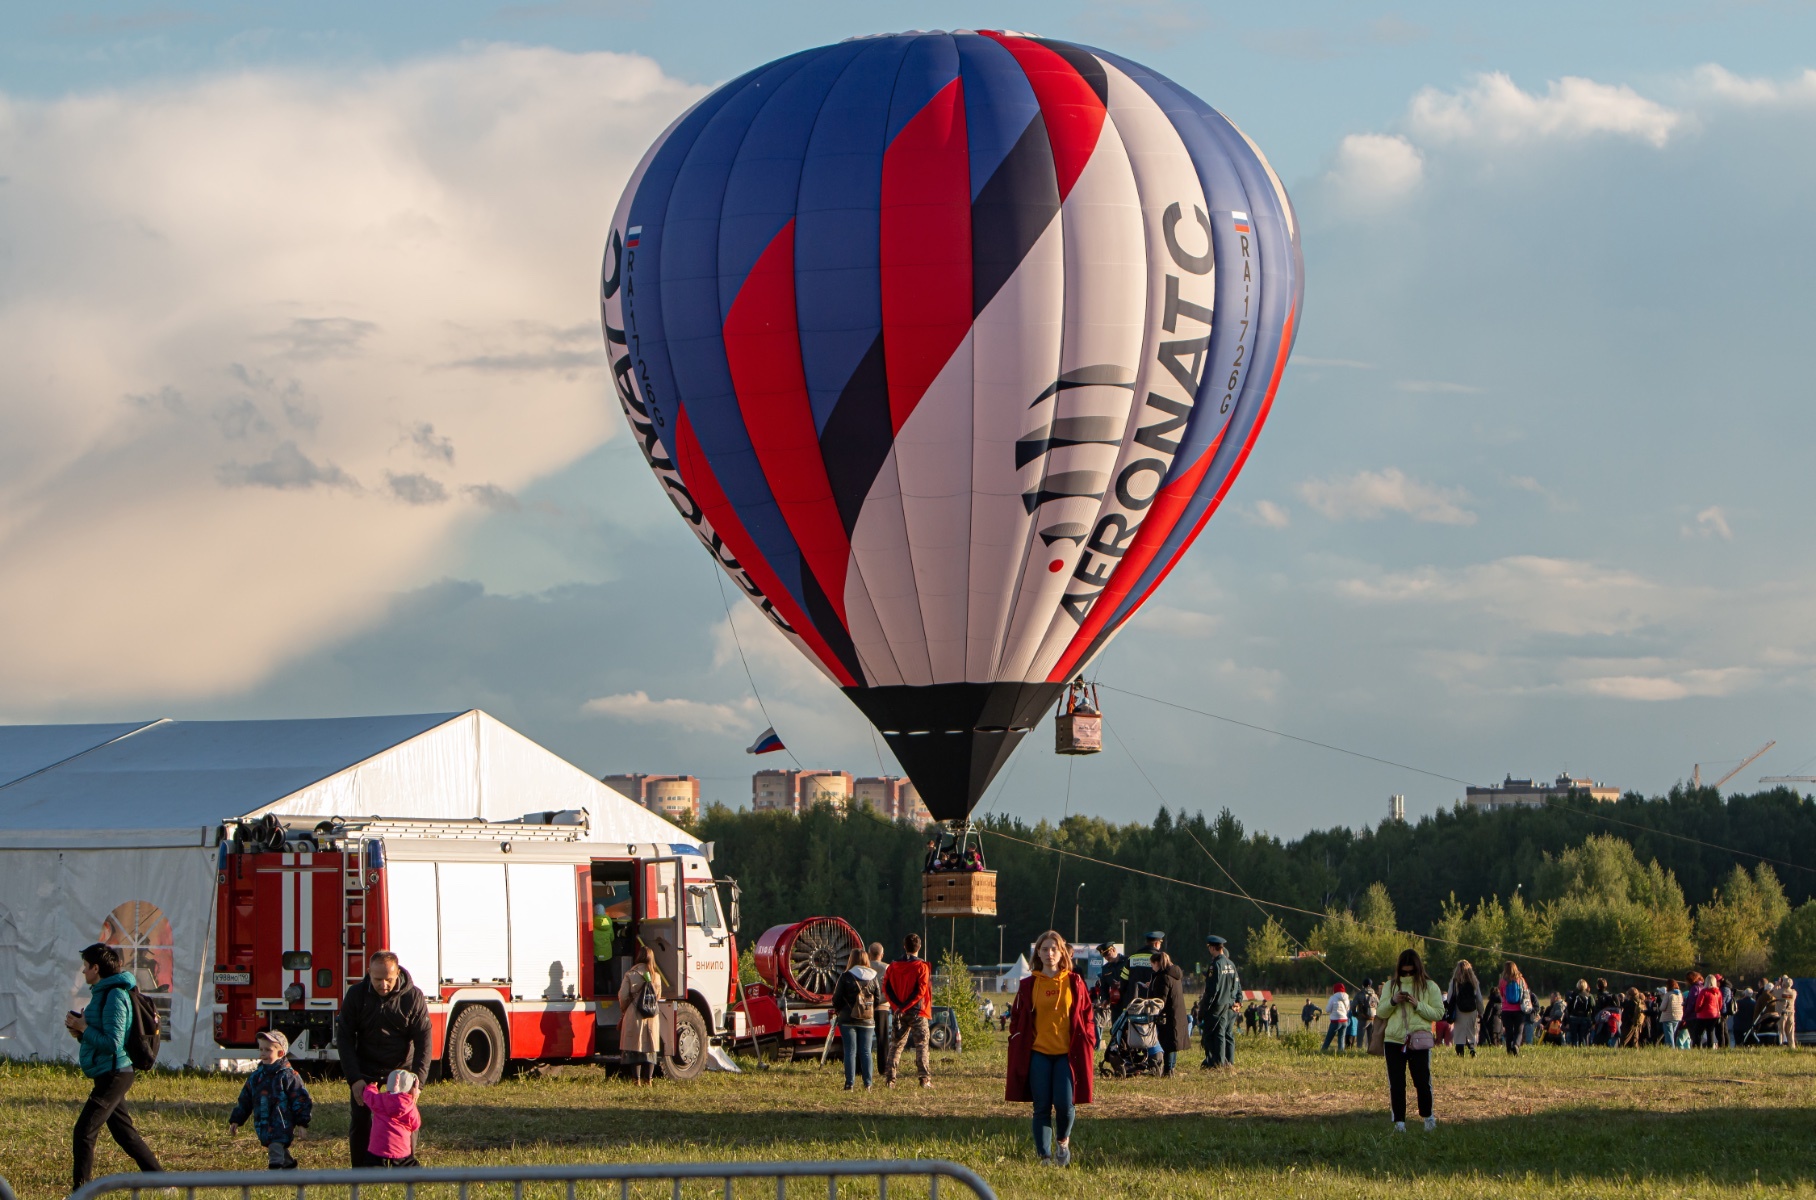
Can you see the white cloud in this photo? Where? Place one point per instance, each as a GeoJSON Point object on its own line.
{"type": "Point", "coordinates": [693, 716]}
{"type": "Point", "coordinates": [1494, 109]}
{"type": "Point", "coordinates": [1269, 515]}
{"type": "Point", "coordinates": [1724, 681]}
{"type": "Point", "coordinates": [1710, 522]}
{"type": "Point", "coordinates": [1368, 495]}
{"type": "Point", "coordinates": [1177, 622]}
{"type": "Point", "coordinates": [1374, 169]}
{"type": "Point", "coordinates": [1547, 595]}
{"type": "Point", "coordinates": [223, 299]}
{"type": "Point", "coordinates": [1553, 500]}
{"type": "Point", "coordinates": [1722, 84]}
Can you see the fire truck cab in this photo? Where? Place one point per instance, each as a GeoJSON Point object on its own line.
{"type": "Point", "coordinates": [517, 932]}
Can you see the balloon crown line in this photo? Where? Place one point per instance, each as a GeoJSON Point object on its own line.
{"type": "Point", "coordinates": [865, 37]}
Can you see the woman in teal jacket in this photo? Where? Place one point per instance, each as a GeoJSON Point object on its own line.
{"type": "Point", "coordinates": [100, 1032]}
{"type": "Point", "coordinates": [1410, 1002]}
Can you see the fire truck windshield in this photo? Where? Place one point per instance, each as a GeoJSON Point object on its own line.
{"type": "Point", "coordinates": [703, 910]}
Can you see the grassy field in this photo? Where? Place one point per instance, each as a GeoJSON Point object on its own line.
{"type": "Point", "coordinates": [1289, 1122]}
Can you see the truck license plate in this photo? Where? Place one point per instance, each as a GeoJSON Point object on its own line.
{"type": "Point", "coordinates": [232, 977]}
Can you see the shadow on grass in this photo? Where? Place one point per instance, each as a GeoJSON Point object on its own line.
{"type": "Point", "coordinates": [1582, 1143]}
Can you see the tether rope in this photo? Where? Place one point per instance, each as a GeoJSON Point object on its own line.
{"type": "Point", "coordinates": [1293, 908]}
{"type": "Point", "coordinates": [719, 578]}
{"type": "Point", "coordinates": [1388, 762]}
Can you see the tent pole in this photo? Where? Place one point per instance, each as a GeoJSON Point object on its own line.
{"type": "Point", "coordinates": [201, 963]}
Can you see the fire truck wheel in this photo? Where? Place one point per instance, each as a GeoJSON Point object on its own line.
{"type": "Point", "coordinates": [689, 1058]}
{"type": "Point", "coordinates": [940, 1038]}
{"type": "Point", "coordinates": [476, 1049]}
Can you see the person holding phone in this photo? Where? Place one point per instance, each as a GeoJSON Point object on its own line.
{"type": "Point", "coordinates": [1411, 1003]}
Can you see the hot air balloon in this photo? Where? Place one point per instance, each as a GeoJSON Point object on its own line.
{"type": "Point", "coordinates": [947, 345]}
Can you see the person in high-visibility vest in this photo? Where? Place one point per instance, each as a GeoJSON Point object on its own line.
{"type": "Point", "coordinates": [603, 934]}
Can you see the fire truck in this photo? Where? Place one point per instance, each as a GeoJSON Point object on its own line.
{"type": "Point", "coordinates": [494, 921]}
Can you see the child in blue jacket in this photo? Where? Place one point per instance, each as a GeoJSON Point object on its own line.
{"type": "Point", "coordinates": [276, 1100]}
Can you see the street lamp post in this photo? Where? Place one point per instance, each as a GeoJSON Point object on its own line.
{"type": "Point", "coordinates": [1077, 900]}
{"type": "Point", "coordinates": [999, 944]}
{"type": "Point", "coordinates": [1125, 932]}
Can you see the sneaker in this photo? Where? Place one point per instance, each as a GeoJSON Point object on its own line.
{"type": "Point", "coordinates": [1399, 1126]}
{"type": "Point", "coordinates": [926, 1083]}
{"type": "Point", "coordinates": [1062, 1155]}
{"type": "Point", "coordinates": [889, 1082]}
{"type": "Point", "coordinates": [848, 1087]}
{"type": "Point", "coordinates": [1046, 1160]}
{"type": "Point", "coordinates": [1431, 1123]}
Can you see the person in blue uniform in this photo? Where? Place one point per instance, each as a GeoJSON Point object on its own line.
{"type": "Point", "coordinates": [1217, 1011]}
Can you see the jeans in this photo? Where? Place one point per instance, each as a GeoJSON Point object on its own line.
{"type": "Point", "coordinates": [1168, 1060]}
{"type": "Point", "coordinates": [1668, 1033]}
{"type": "Point", "coordinates": [1339, 1031]}
{"type": "Point", "coordinates": [107, 1106]}
{"type": "Point", "coordinates": [1355, 1030]}
{"type": "Point", "coordinates": [1399, 1059]}
{"type": "Point", "coordinates": [856, 1041]}
{"type": "Point", "coordinates": [1050, 1083]}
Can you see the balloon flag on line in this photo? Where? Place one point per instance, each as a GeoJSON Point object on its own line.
{"type": "Point", "coordinates": [767, 743]}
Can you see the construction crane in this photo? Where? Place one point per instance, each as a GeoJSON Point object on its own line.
{"type": "Point", "coordinates": [1787, 779]}
{"type": "Point", "coordinates": [1696, 771]}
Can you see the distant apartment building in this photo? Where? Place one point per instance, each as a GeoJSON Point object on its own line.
{"type": "Point", "coordinates": [676, 797]}
{"type": "Point", "coordinates": [1514, 792]}
{"type": "Point", "coordinates": [797, 791]}
{"type": "Point", "coordinates": [891, 796]}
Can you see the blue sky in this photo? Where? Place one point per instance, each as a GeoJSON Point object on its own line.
{"type": "Point", "coordinates": [307, 414]}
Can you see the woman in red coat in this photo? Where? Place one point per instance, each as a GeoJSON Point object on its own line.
{"type": "Point", "coordinates": [1052, 1044]}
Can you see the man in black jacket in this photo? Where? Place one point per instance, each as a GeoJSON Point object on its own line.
{"type": "Point", "coordinates": [383, 1027]}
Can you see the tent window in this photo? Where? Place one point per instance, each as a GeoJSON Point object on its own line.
{"type": "Point", "coordinates": [9, 977]}
{"type": "Point", "coordinates": [139, 930]}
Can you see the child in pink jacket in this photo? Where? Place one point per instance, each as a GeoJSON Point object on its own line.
{"type": "Point", "coordinates": [394, 1119]}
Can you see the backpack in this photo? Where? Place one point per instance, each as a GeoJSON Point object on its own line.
{"type": "Point", "coordinates": [648, 1002]}
{"type": "Point", "coordinates": [1512, 993]}
{"type": "Point", "coordinates": [863, 1000]}
{"type": "Point", "coordinates": [1466, 997]}
{"type": "Point", "coordinates": [142, 1031]}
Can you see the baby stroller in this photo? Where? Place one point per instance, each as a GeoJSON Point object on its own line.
{"type": "Point", "coordinates": [1763, 1031]}
{"type": "Point", "coordinates": [1134, 1047]}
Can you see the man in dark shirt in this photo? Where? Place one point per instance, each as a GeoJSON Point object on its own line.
{"type": "Point", "coordinates": [383, 1027]}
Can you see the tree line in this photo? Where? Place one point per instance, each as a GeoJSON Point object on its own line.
{"type": "Point", "coordinates": [1643, 887]}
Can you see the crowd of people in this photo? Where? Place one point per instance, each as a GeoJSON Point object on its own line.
{"type": "Point", "coordinates": [383, 1035]}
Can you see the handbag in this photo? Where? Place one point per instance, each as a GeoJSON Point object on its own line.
{"type": "Point", "coordinates": [1377, 1037]}
{"type": "Point", "coordinates": [1420, 1039]}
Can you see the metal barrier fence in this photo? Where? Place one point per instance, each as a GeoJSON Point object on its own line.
{"type": "Point", "coordinates": [570, 1177]}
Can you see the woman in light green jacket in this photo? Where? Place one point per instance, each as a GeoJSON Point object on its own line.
{"type": "Point", "coordinates": [1410, 1002]}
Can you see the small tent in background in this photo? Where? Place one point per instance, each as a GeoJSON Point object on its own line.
{"type": "Point", "coordinates": [108, 833]}
{"type": "Point", "coordinates": [1011, 979]}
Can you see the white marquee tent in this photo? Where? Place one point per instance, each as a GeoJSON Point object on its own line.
{"type": "Point", "coordinates": [107, 833]}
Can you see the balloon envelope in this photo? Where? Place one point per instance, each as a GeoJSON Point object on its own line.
{"type": "Point", "coordinates": [947, 345]}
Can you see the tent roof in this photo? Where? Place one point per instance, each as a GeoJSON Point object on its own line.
{"type": "Point", "coordinates": [28, 749]}
{"type": "Point", "coordinates": [78, 785]}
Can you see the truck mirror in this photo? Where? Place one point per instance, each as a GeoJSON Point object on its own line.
{"type": "Point", "coordinates": [734, 917]}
